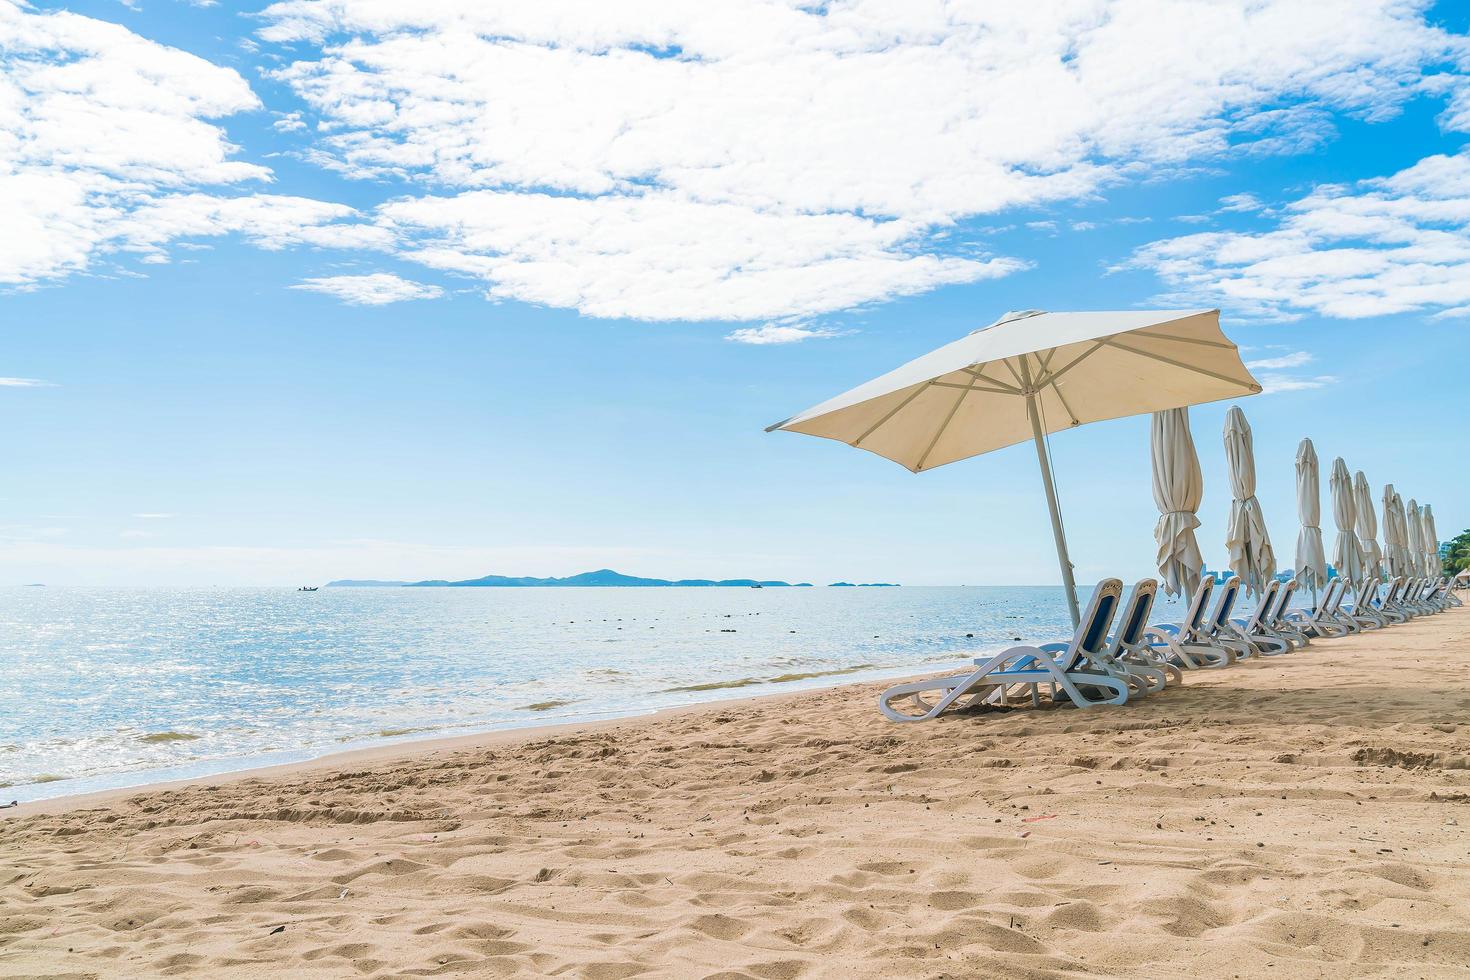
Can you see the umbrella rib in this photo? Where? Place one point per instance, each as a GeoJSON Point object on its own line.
{"type": "Point", "coordinates": [1052, 378]}
{"type": "Point", "coordinates": [1111, 342]}
{"type": "Point", "coordinates": [1014, 373]}
{"type": "Point", "coordinates": [894, 411]}
{"type": "Point", "coordinates": [1185, 340]}
{"type": "Point", "coordinates": [980, 375]}
{"type": "Point", "coordinates": [940, 430]}
{"type": "Point", "coordinates": [971, 387]}
{"type": "Point", "coordinates": [1061, 398]}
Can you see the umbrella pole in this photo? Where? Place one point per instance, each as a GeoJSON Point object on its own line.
{"type": "Point", "coordinates": [1051, 502]}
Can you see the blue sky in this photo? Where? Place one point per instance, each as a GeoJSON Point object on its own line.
{"type": "Point", "coordinates": [337, 290]}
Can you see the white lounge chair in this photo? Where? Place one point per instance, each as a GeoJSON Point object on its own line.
{"type": "Point", "coordinates": [1130, 652]}
{"type": "Point", "coordinates": [1280, 624]}
{"type": "Point", "coordinates": [1364, 608]}
{"type": "Point", "coordinates": [1024, 670]}
{"type": "Point", "coordinates": [1255, 629]}
{"type": "Point", "coordinates": [1188, 643]}
{"type": "Point", "coordinates": [1324, 620]}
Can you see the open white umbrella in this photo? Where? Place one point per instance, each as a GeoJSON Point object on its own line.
{"type": "Point", "coordinates": [1027, 375]}
{"type": "Point", "coordinates": [1347, 554]}
{"type": "Point", "coordinates": [1367, 526]}
{"type": "Point", "coordinates": [1414, 540]}
{"type": "Point", "coordinates": [1178, 489]}
{"type": "Point", "coordinates": [1431, 544]}
{"type": "Point", "coordinates": [1311, 561]}
{"type": "Point", "coordinates": [1251, 556]}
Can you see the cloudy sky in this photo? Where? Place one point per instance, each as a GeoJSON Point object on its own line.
{"type": "Point", "coordinates": [363, 288]}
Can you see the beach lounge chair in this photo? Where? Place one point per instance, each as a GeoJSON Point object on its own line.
{"type": "Point", "coordinates": [1022, 671]}
{"type": "Point", "coordinates": [1130, 652]}
{"type": "Point", "coordinates": [1188, 642]}
{"type": "Point", "coordinates": [1324, 620]}
{"type": "Point", "coordinates": [1255, 629]}
{"type": "Point", "coordinates": [1280, 625]}
{"type": "Point", "coordinates": [1389, 604]}
{"type": "Point", "coordinates": [1364, 608]}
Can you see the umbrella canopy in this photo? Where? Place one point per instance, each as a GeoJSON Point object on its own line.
{"type": "Point", "coordinates": [1251, 556]}
{"type": "Point", "coordinates": [1027, 375]}
{"type": "Point", "coordinates": [1431, 544]}
{"type": "Point", "coordinates": [1415, 538]}
{"type": "Point", "coordinates": [1367, 525]}
{"type": "Point", "coordinates": [1347, 554]}
{"type": "Point", "coordinates": [1311, 561]}
{"type": "Point", "coordinates": [1178, 489]}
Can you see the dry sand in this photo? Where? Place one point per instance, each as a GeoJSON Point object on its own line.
{"type": "Point", "coordinates": [1302, 816]}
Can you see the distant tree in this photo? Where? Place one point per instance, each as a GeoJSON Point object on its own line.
{"type": "Point", "coordinates": [1456, 555]}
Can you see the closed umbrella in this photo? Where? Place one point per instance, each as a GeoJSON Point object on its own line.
{"type": "Point", "coordinates": [1393, 533]}
{"type": "Point", "coordinates": [1027, 375]}
{"type": "Point", "coordinates": [1251, 556]}
{"type": "Point", "coordinates": [1178, 489]}
{"type": "Point", "coordinates": [1347, 554]}
{"type": "Point", "coordinates": [1367, 526]}
{"type": "Point", "coordinates": [1436, 566]}
{"type": "Point", "coordinates": [1414, 540]}
{"type": "Point", "coordinates": [1311, 562]}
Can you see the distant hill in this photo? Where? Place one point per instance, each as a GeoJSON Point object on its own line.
{"type": "Point", "coordinates": [863, 585]}
{"type": "Point", "coordinates": [603, 577]}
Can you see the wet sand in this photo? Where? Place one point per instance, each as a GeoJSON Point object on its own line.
{"type": "Point", "coordinates": [1306, 815]}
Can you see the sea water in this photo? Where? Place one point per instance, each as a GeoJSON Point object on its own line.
{"type": "Point", "coordinates": [106, 688]}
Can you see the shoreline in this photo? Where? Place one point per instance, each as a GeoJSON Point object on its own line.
{"type": "Point", "coordinates": [414, 748]}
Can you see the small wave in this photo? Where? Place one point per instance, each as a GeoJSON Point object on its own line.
{"type": "Point", "coordinates": [547, 705]}
{"type": "Point", "coordinates": [778, 679]}
{"type": "Point", "coordinates": [155, 738]}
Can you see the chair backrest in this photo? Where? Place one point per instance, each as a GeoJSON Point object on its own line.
{"type": "Point", "coordinates": [1283, 602]}
{"type": "Point", "coordinates": [1367, 595]}
{"type": "Point", "coordinates": [1331, 599]}
{"type": "Point", "coordinates": [1194, 616]}
{"type": "Point", "coordinates": [1391, 595]}
{"type": "Point", "coordinates": [1225, 605]}
{"type": "Point", "coordinates": [1092, 631]}
{"type": "Point", "coordinates": [1134, 619]}
{"type": "Point", "coordinates": [1264, 607]}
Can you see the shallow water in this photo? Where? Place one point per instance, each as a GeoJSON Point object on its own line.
{"type": "Point", "coordinates": [105, 687]}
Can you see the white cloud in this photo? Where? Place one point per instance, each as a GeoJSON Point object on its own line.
{"type": "Point", "coordinates": [1240, 202]}
{"type": "Point", "coordinates": [758, 159]}
{"type": "Point", "coordinates": [106, 140]}
{"type": "Point", "coordinates": [1294, 359]}
{"type": "Point", "coordinates": [778, 333]}
{"type": "Point", "coordinates": [1388, 245]}
{"type": "Point", "coordinates": [1275, 384]}
{"type": "Point", "coordinates": [656, 256]}
{"type": "Point", "coordinates": [376, 289]}
{"type": "Point", "coordinates": [25, 383]}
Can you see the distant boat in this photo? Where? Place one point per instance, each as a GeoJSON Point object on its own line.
{"type": "Point", "coordinates": [757, 585]}
{"type": "Point", "coordinates": [308, 588]}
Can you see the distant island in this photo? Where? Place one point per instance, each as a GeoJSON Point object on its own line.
{"type": "Point", "coordinates": [863, 585]}
{"type": "Point", "coordinates": [601, 578]}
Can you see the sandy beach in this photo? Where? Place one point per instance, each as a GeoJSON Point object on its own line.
{"type": "Point", "coordinates": [1302, 816]}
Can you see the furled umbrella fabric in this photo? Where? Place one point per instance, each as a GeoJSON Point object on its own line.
{"type": "Point", "coordinates": [1393, 531]}
{"type": "Point", "coordinates": [1347, 554]}
{"type": "Point", "coordinates": [1311, 560]}
{"type": "Point", "coordinates": [1431, 544]}
{"type": "Point", "coordinates": [1251, 556]}
{"type": "Point", "coordinates": [1178, 489]}
{"type": "Point", "coordinates": [1367, 526]}
{"type": "Point", "coordinates": [1414, 538]}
